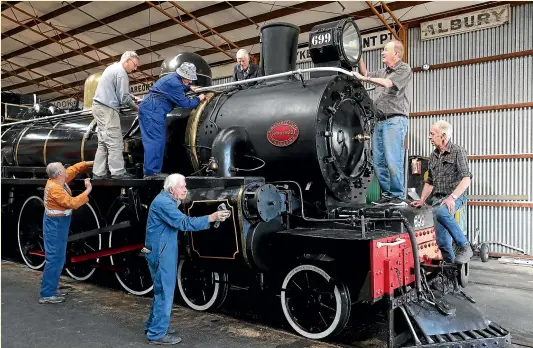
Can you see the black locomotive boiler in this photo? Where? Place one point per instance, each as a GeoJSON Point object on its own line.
{"type": "Point", "coordinates": [290, 158]}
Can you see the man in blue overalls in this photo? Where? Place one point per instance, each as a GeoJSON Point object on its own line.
{"type": "Point", "coordinates": [161, 251]}
{"type": "Point", "coordinates": [167, 92]}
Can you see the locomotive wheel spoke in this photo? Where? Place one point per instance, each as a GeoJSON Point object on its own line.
{"type": "Point", "coordinates": [30, 231]}
{"type": "Point", "coordinates": [134, 275]}
{"type": "Point", "coordinates": [321, 309]}
{"type": "Point", "coordinates": [83, 219]}
{"type": "Point", "coordinates": [200, 289]}
{"type": "Point", "coordinates": [326, 306]}
{"type": "Point", "coordinates": [298, 286]}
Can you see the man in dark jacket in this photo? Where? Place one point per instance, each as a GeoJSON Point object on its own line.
{"type": "Point", "coordinates": [167, 92]}
{"type": "Point", "coordinates": [244, 69]}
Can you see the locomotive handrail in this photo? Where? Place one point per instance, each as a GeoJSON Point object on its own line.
{"type": "Point", "coordinates": [269, 77]}
{"type": "Point", "coordinates": [397, 242]}
{"type": "Point", "coordinates": [40, 119]}
{"type": "Point", "coordinates": [45, 118]}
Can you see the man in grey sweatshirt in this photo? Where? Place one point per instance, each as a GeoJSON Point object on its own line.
{"type": "Point", "coordinates": [112, 93]}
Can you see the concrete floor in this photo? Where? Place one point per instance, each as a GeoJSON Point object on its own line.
{"type": "Point", "coordinates": [95, 316]}
{"type": "Point", "coordinates": [505, 294]}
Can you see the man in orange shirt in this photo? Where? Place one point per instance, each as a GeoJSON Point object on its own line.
{"type": "Point", "coordinates": [58, 206]}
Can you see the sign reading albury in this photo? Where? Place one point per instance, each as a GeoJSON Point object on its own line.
{"type": "Point", "coordinates": [476, 20]}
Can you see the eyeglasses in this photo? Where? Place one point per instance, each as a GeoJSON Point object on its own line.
{"type": "Point", "coordinates": [135, 65]}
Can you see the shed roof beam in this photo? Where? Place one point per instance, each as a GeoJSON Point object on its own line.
{"type": "Point", "coordinates": [245, 16]}
{"type": "Point", "coordinates": [109, 19]}
{"type": "Point", "coordinates": [213, 31]}
{"type": "Point", "coordinates": [255, 40]}
{"type": "Point", "coordinates": [157, 26]}
{"type": "Point", "coordinates": [36, 73]}
{"type": "Point", "coordinates": [38, 83]}
{"type": "Point", "coordinates": [200, 36]}
{"type": "Point", "coordinates": [383, 20]}
{"type": "Point", "coordinates": [45, 17]}
{"type": "Point", "coordinates": [60, 43]}
{"type": "Point", "coordinates": [5, 7]}
{"type": "Point", "coordinates": [181, 40]}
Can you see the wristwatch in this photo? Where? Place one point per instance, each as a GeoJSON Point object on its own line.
{"type": "Point", "coordinates": [453, 196]}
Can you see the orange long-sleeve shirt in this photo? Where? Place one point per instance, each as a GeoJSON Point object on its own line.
{"type": "Point", "coordinates": [58, 200]}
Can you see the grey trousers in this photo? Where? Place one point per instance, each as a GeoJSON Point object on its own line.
{"type": "Point", "coordinates": [110, 142]}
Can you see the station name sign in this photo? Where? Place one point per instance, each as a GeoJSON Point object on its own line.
{"type": "Point", "coordinates": [472, 21]}
{"type": "Point", "coordinates": [141, 88]}
{"type": "Point", "coordinates": [371, 41]}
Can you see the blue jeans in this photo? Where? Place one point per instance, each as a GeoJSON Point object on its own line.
{"type": "Point", "coordinates": [55, 232]}
{"type": "Point", "coordinates": [163, 264]}
{"type": "Point", "coordinates": [389, 155]}
{"type": "Point", "coordinates": [446, 226]}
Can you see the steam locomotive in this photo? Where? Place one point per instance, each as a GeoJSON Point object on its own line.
{"type": "Point", "coordinates": [290, 158]}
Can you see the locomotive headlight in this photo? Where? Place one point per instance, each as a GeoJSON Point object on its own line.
{"type": "Point", "coordinates": [337, 43]}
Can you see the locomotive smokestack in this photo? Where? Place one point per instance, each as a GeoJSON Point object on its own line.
{"type": "Point", "coordinates": [279, 43]}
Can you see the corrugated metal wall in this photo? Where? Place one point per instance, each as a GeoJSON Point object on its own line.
{"type": "Point", "coordinates": [481, 133]}
{"type": "Point", "coordinates": [493, 83]}
{"type": "Point", "coordinates": [507, 131]}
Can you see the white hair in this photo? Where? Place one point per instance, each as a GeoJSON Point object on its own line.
{"type": "Point", "coordinates": [128, 55]}
{"type": "Point", "coordinates": [172, 180]}
{"type": "Point", "coordinates": [242, 53]}
{"type": "Point", "coordinates": [53, 169]}
{"type": "Point", "coordinates": [398, 48]}
{"type": "Point", "coordinates": [445, 128]}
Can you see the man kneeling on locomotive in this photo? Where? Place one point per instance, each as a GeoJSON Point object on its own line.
{"type": "Point", "coordinates": [161, 251]}
{"type": "Point", "coordinates": [449, 177]}
{"type": "Point", "coordinates": [58, 205]}
{"type": "Point", "coordinates": [164, 94]}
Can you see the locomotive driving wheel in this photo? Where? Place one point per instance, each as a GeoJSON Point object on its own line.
{"type": "Point", "coordinates": [84, 218]}
{"type": "Point", "coordinates": [30, 232]}
{"type": "Point", "coordinates": [200, 289]}
{"type": "Point", "coordinates": [134, 275]}
{"type": "Point", "coordinates": [315, 306]}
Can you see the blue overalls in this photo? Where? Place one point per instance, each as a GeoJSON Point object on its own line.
{"type": "Point", "coordinates": [55, 232]}
{"type": "Point", "coordinates": [58, 204]}
{"type": "Point", "coordinates": [164, 221]}
{"type": "Point", "coordinates": [164, 94]}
